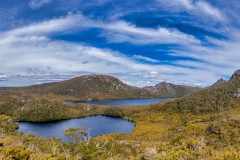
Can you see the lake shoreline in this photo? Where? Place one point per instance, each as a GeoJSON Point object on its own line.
{"type": "Point", "coordinates": [94, 125]}
{"type": "Point", "coordinates": [120, 102]}
{"type": "Point", "coordinates": [92, 115]}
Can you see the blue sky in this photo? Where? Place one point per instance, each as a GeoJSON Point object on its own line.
{"type": "Point", "coordinates": [142, 42]}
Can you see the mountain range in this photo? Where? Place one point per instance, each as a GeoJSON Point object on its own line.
{"type": "Point", "coordinates": [104, 87]}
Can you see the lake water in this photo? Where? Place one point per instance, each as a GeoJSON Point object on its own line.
{"type": "Point", "coordinates": [94, 125]}
{"type": "Point", "coordinates": [129, 102]}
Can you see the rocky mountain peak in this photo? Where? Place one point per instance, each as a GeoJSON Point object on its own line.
{"type": "Point", "coordinates": [163, 84]}
{"type": "Point", "coordinates": [236, 74]}
{"type": "Point", "coordinates": [220, 81]}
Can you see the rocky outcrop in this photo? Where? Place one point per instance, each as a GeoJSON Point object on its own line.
{"type": "Point", "coordinates": [170, 90]}
{"type": "Point", "coordinates": [220, 81]}
{"type": "Point", "coordinates": [237, 93]}
{"type": "Point", "coordinates": [236, 74]}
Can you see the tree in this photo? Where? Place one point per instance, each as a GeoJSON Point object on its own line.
{"type": "Point", "coordinates": [76, 134]}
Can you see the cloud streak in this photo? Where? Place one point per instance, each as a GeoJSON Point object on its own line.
{"type": "Point", "coordinates": [196, 8]}
{"type": "Point", "coordinates": [36, 4]}
{"type": "Point", "coordinates": [138, 57]}
{"type": "Point", "coordinates": [119, 31]}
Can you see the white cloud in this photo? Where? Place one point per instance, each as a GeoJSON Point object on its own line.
{"type": "Point", "coordinates": [31, 46]}
{"type": "Point", "coordinates": [221, 58]}
{"type": "Point", "coordinates": [139, 57]}
{"type": "Point", "coordinates": [208, 9]}
{"type": "Point", "coordinates": [151, 74]}
{"type": "Point", "coordinates": [125, 32]}
{"type": "Point", "coordinates": [49, 27]}
{"type": "Point", "coordinates": [65, 58]}
{"type": "Point", "coordinates": [119, 31]}
{"type": "Point", "coordinates": [199, 8]}
{"type": "Point", "coordinates": [35, 4]}
{"type": "Point", "coordinates": [37, 51]}
{"type": "Point", "coordinates": [3, 76]}
{"type": "Point", "coordinates": [185, 3]}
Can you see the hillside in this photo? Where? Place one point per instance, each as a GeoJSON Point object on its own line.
{"type": "Point", "coordinates": [219, 98]}
{"type": "Point", "coordinates": [103, 87]}
{"type": "Point", "coordinates": [171, 90]}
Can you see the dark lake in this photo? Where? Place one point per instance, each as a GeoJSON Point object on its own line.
{"type": "Point", "coordinates": [93, 125]}
{"type": "Point", "coordinates": [129, 102]}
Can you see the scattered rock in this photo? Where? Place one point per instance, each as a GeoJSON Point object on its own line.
{"type": "Point", "coordinates": [136, 145]}
{"type": "Point", "coordinates": [237, 94]}
{"type": "Point", "coordinates": [149, 152]}
{"type": "Point", "coordinates": [179, 130]}
{"type": "Point", "coordinates": [123, 142]}
{"type": "Point", "coordinates": [195, 146]}
{"type": "Point", "coordinates": [164, 154]}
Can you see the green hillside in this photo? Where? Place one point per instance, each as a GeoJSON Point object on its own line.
{"type": "Point", "coordinates": [219, 98]}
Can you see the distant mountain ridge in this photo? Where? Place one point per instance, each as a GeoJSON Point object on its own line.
{"type": "Point", "coordinates": [105, 87]}
{"type": "Point", "coordinates": [221, 97]}
{"type": "Point", "coordinates": [164, 89]}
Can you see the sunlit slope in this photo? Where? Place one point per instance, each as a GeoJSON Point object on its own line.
{"type": "Point", "coordinates": [219, 98]}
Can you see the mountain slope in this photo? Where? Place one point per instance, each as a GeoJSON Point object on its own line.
{"type": "Point", "coordinates": [171, 90]}
{"type": "Point", "coordinates": [101, 87]}
{"type": "Point", "coordinates": [222, 97]}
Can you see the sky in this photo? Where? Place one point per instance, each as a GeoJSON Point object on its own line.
{"type": "Point", "coordinates": [141, 42]}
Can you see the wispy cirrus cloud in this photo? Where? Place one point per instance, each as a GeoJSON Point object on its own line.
{"type": "Point", "coordinates": [47, 27]}
{"type": "Point", "coordinates": [139, 57]}
{"type": "Point", "coordinates": [34, 48]}
{"type": "Point", "coordinates": [35, 4]}
{"type": "Point", "coordinates": [125, 32]}
{"type": "Point", "coordinates": [116, 31]}
{"type": "Point", "coordinates": [123, 47]}
{"type": "Point", "coordinates": [198, 7]}
{"type": "Point", "coordinates": [31, 46]}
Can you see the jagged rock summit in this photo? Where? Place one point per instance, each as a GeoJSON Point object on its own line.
{"type": "Point", "coordinates": [220, 81]}
{"type": "Point", "coordinates": [236, 74]}
{"type": "Point", "coordinates": [165, 89]}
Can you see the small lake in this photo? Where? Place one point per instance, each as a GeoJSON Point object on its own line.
{"type": "Point", "coordinates": [128, 102]}
{"type": "Point", "coordinates": [93, 125]}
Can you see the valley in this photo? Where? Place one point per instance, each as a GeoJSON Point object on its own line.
{"type": "Point", "coordinates": [201, 125]}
